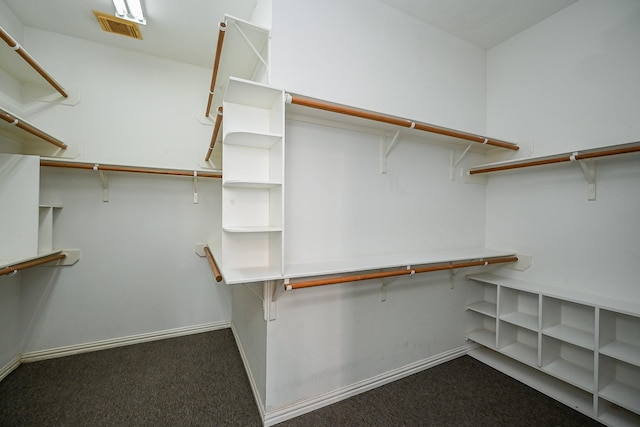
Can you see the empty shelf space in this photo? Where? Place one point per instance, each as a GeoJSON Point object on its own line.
{"type": "Point", "coordinates": [614, 415]}
{"type": "Point", "coordinates": [252, 229]}
{"type": "Point", "coordinates": [483, 307]}
{"type": "Point", "coordinates": [483, 337]}
{"type": "Point", "coordinates": [571, 373]}
{"type": "Point", "coordinates": [571, 335]}
{"type": "Point", "coordinates": [522, 319]}
{"type": "Point", "coordinates": [521, 352]}
{"type": "Point", "coordinates": [251, 184]}
{"type": "Point", "coordinates": [252, 139]}
{"type": "Point", "coordinates": [569, 395]}
{"type": "Point", "coordinates": [622, 351]}
{"type": "Point", "coordinates": [623, 395]}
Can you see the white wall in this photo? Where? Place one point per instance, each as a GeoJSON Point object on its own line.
{"type": "Point", "coordinates": [138, 272]}
{"type": "Point", "coordinates": [365, 54]}
{"type": "Point", "coordinates": [569, 83]}
{"type": "Point", "coordinates": [339, 205]}
{"type": "Point", "coordinates": [135, 109]}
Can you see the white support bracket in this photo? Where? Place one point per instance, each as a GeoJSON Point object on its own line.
{"type": "Point", "coordinates": [589, 170]}
{"type": "Point", "coordinates": [195, 187]}
{"type": "Point", "coordinates": [452, 278]}
{"type": "Point", "coordinates": [385, 150]}
{"type": "Point", "coordinates": [387, 281]}
{"type": "Point", "coordinates": [246, 39]}
{"type": "Point", "coordinates": [104, 177]}
{"type": "Point", "coordinates": [455, 162]}
{"type": "Point", "coordinates": [269, 305]}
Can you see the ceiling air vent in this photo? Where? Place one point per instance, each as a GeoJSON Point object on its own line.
{"type": "Point", "coordinates": [113, 24]}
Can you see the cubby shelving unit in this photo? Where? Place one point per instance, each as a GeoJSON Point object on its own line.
{"type": "Point", "coordinates": [580, 349]}
{"type": "Point", "coordinates": [253, 181]}
{"type": "Point", "coordinates": [27, 227]}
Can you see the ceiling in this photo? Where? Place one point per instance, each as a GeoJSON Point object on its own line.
{"type": "Point", "coordinates": [484, 23]}
{"type": "Point", "coordinates": [186, 30]}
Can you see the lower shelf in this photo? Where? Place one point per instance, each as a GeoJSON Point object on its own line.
{"type": "Point", "coordinates": [571, 396]}
{"type": "Point", "coordinates": [622, 394]}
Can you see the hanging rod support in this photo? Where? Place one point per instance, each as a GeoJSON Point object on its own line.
{"type": "Point", "coordinates": [246, 39]}
{"type": "Point", "coordinates": [456, 162]}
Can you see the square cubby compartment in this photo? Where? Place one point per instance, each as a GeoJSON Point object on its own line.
{"type": "Point", "coordinates": [620, 336]}
{"type": "Point", "coordinates": [482, 298]}
{"type": "Point", "coordinates": [619, 383]}
{"type": "Point", "coordinates": [569, 322]}
{"type": "Point", "coordinates": [519, 308]}
{"type": "Point", "coordinates": [480, 328]}
{"type": "Point", "coordinates": [568, 362]}
{"type": "Point", "coordinates": [519, 343]}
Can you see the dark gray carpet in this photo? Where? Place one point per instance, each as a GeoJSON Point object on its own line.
{"type": "Point", "coordinates": [199, 380]}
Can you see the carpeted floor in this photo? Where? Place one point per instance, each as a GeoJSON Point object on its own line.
{"type": "Point", "coordinates": [199, 380]}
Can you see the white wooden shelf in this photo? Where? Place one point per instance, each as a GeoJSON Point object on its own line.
{"type": "Point", "coordinates": [622, 351]}
{"type": "Point", "coordinates": [251, 184]}
{"type": "Point", "coordinates": [483, 307]}
{"type": "Point", "coordinates": [484, 337]}
{"type": "Point", "coordinates": [571, 335]}
{"type": "Point", "coordinates": [33, 140]}
{"type": "Point", "coordinates": [521, 319]}
{"type": "Point", "coordinates": [20, 65]}
{"type": "Point", "coordinates": [581, 349]}
{"type": "Point", "coordinates": [252, 139]}
{"type": "Point", "coordinates": [571, 396]}
{"type": "Point", "coordinates": [571, 373]}
{"type": "Point", "coordinates": [623, 395]}
{"type": "Point", "coordinates": [243, 45]}
{"type": "Point", "coordinates": [522, 353]}
{"type": "Point", "coordinates": [252, 229]}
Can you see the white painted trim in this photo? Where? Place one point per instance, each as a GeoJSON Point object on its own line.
{"type": "Point", "coordinates": [252, 382]}
{"type": "Point", "coordinates": [9, 367]}
{"type": "Point", "coordinates": [52, 353]}
{"type": "Point", "coordinates": [302, 407]}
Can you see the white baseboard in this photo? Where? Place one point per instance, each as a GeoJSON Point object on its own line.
{"type": "Point", "coordinates": [34, 356]}
{"type": "Point", "coordinates": [9, 367]}
{"type": "Point", "coordinates": [302, 407]}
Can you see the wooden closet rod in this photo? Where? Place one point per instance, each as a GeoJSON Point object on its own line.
{"type": "Point", "coordinates": [404, 272]}
{"type": "Point", "coordinates": [212, 263]}
{"type": "Point", "coordinates": [216, 64]}
{"type": "Point", "coordinates": [9, 118]}
{"type": "Point", "coordinates": [113, 168]}
{"type": "Point", "coordinates": [35, 262]}
{"type": "Point", "coordinates": [559, 159]}
{"type": "Point", "coordinates": [312, 103]}
{"type": "Point", "coordinates": [32, 62]}
{"type": "Point", "coordinates": [216, 129]}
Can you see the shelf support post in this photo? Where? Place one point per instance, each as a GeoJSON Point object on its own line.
{"type": "Point", "coordinates": [456, 162]}
{"type": "Point", "coordinates": [589, 171]}
{"type": "Point", "coordinates": [253, 48]}
{"type": "Point", "coordinates": [386, 149]}
{"type": "Point", "coordinates": [269, 305]}
{"type": "Point", "coordinates": [104, 177]}
{"type": "Point", "coordinates": [195, 187]}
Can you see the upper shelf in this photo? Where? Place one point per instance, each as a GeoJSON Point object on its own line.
{"type": "Point", "coordinates": [356, 265]}
{"type": "Point", "coordinates": [612, 150]}
{"type": "Point", "coordinates": [242, 51]}
{"type": "Point", "coordinates": [301, 106]}
{"type": "Point", "coordinates": [34, 140]}
{"type": "Point", "coordinates": [18, 63]}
